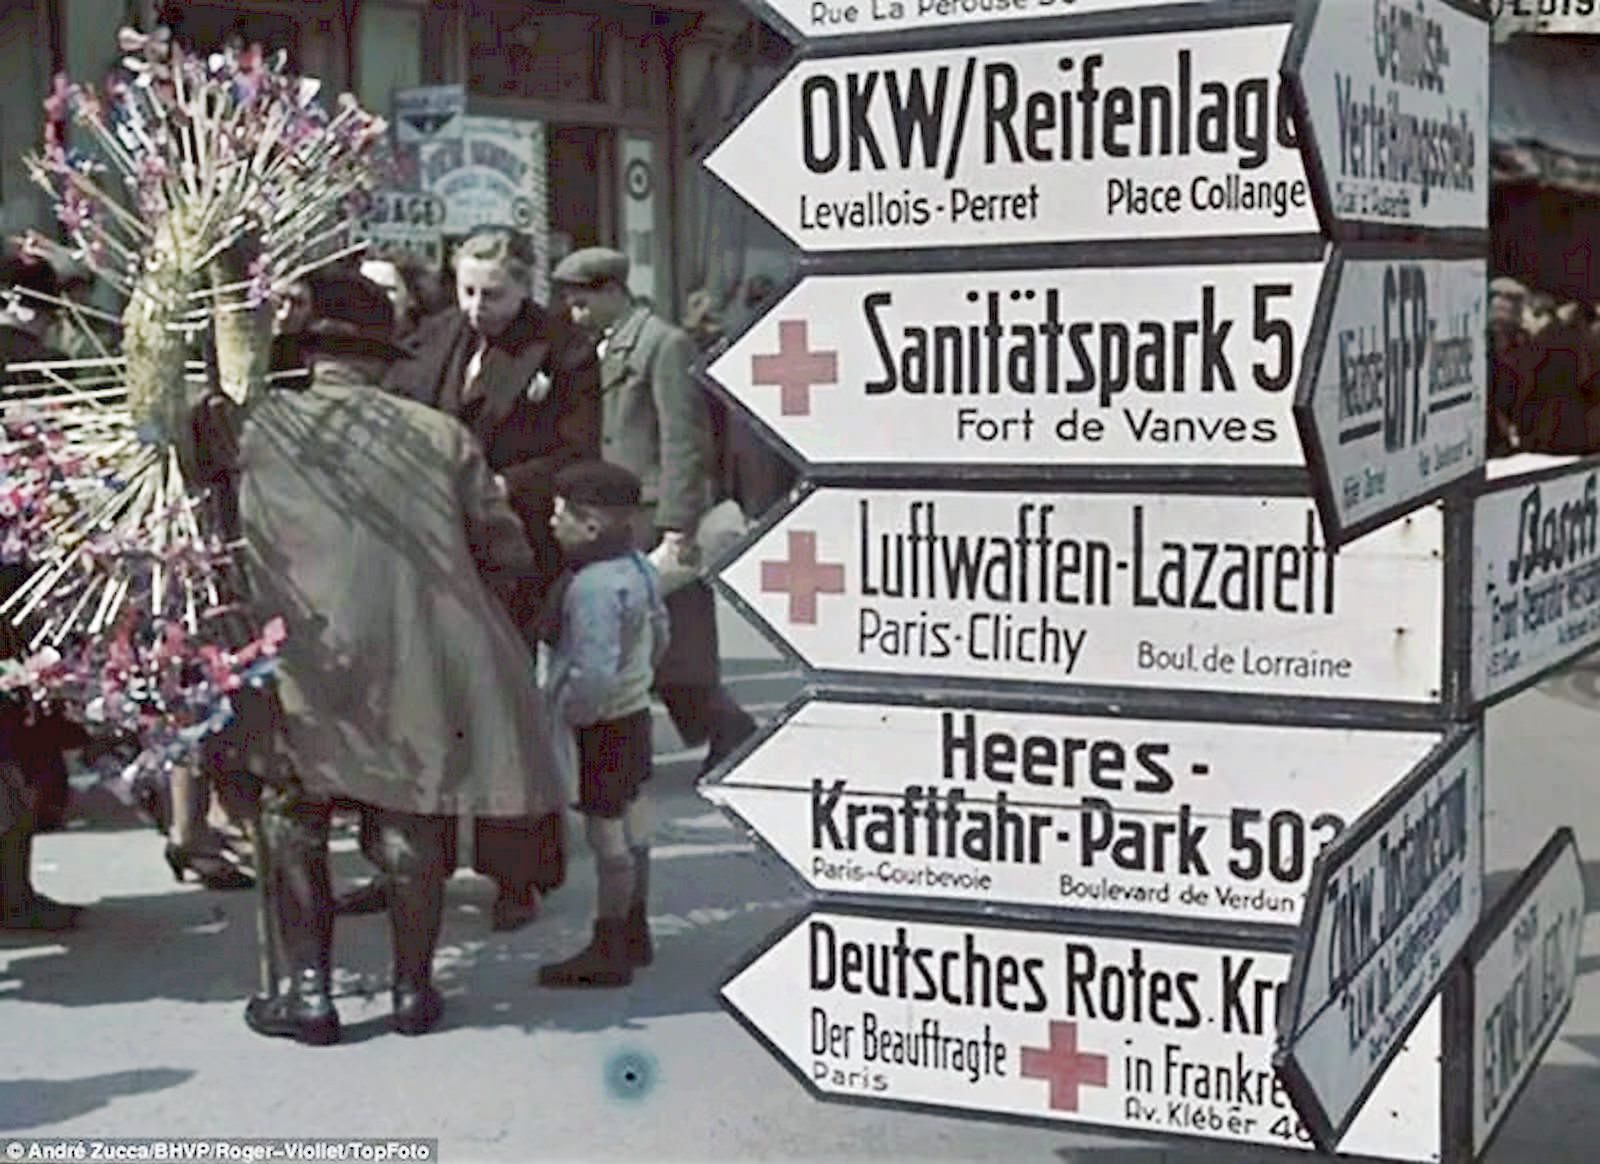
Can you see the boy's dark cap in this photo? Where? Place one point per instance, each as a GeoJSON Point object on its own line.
{"type": "Point", "coordinates": [591, 267]}
{"type": "Point", "coordinates": [598, 485]}
{"type": "Point", "coordinates": [350, 315]}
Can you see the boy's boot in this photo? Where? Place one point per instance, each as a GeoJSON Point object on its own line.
{"type": "Point", "coordinates": [602, 963]}
{"type": "Point", "coordinates": [296, 832]}
{"type": "Point", "coordinates": [414, 850]}
{"type": "Point", "coordinates": [636, 941]}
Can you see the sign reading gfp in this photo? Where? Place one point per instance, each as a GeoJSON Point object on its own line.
{"type": "Point", "coordinates": [1392, 902]}
{"type": "Point", "coordinates": [1176, 819]}
{"type": "Point", "coordinates": [1394, 98]}
{"type": "Point", "coordinates": [1167, 366]}
{"type": "Point", "coordinates": [1391, 398]}
{"type": "Point", "coordinates": [1152, 1036]}
{"type": "Point", "coordinates": [1160, 136]}
{"type": "Point", "coordinates": [1535, 577]}
{"type": "Point", "coordinates": [1236, 595]}
{"type": "Point", "coordinates": [1520, 971]}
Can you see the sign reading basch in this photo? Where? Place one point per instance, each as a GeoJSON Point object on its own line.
{"type": "Point", "coordinates": [1520, 970]}
{"type": "Point", "coordinates": [1395, 95]}
{"type": "Point", "coordinates": [1535, 577]}
{"type": "Point", "coordinates": [1167, 136]}
{"type": "Point", "coordinates": [1392, 902]}
{"type": "Point", "coordinates": [1237, 595]}
{"type": "Point", "coordinates": [1201, 821]}
{"type": "Point", "coordinates": [1149, 1035]}
{"type": "Point", "coordinates": [1147, 366]}
{"type": "Point", "coordinates": [1391, 400]}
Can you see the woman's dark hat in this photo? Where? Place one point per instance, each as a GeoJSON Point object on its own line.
{"type": "Point", "coordinates": [350, 315]}
{"type": "Point", "coordinates": [598, 485]}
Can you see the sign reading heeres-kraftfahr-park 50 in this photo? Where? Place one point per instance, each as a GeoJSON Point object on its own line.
{"type": "Point", "coordinates": [1177, 135]}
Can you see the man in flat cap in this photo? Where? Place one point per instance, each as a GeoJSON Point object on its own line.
{"type": "Point", "coordinates": [654, 422]}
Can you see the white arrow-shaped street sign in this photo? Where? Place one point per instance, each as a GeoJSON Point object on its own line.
{"type": "Point", "coordinates": [1392, 903]}
{"type": "Point", "coordinates": [816, 20]}
{"type": "Point", "coordinates": [1391, 404]}
{"type": "Point", "coordinates": [1211, 822]}
{"type": "Point", "coordinates": [1231, 595]}
{"type": "Point", "coordinates": [1165, 367]}
{"type": "Point", "coordinates": [1520, 971]}
{"type": "Point", "coordinates": [1160, 136]}
{"type": "Point", "coordinates": [1392, 100]}
{"type": "Point", "coordinates": [1158, 1037]}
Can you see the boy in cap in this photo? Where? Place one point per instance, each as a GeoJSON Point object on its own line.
{"type": "Point", "coordinates": [603, 631]}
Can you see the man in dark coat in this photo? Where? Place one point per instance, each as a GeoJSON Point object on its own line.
{"type": "Point", "coordinates": [377, 531]}
{"type": "Point", "coordinates": [33, 772]}
{"type": "Point", "coordinates": [526, 384]}
{"type": "Point", "coordinates": [655, 423]}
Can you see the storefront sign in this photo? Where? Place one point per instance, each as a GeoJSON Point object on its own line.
{"type": "Point", "coordinates": [1149, 1036]}
{"type": "Point", "coordinates": [1552, 17]}
{"type": "Point", "coordinates": [1173, 135]}
{"type": "Point", "coordinates": [1148, 366]}
{"type": "Point", "coordinates": [1392, 903]}
{"type": "Point", "coordinates": [1523, 964]}
{"type": "Point", "coordinates": [1535, 577]}
{"type": "Point", "coordinates": [1393, 395]}
{"type": "Point", "coordinates": [973, 807]}
{"type": "Point", "coordinates": [1395, 95]}
{"type": "Point", "coordinates": [1237, 595]}
{"type": "Point", "coordinates": [429, 114]}
{"type": "Point", "coordinates": [406, 220]}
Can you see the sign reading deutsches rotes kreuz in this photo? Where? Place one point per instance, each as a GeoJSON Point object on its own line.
{"type": "Point", "coordinates": [1162, 136]}
{"type": "Point", "coordinates": [1223, 594]}
{"type": "Point", "coordinates": [1395, 398]}
{"type": "Point", "coordinates": [1149, 1036]}
{"type": "Point", "coordinates": [1535, 577]}
{"type": "Point", "coordinates": [1206, 821]}
{"type": "Point", "coordinates": [825, 19]}
{"type": "Point", "coordinates": [1397, 95]}
{"type": "Point", "coordinates": [1135, 366]}
{"type": "Point", "coordinates": [1392, 903]}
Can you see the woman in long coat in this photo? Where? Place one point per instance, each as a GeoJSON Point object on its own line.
{"type": "Point", "coordinates": [379, 533]}
{"type": "Point", "coordinates": [526, 383]}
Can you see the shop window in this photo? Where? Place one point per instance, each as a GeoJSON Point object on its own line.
{"type": "Point", "coordinates": [532, 52]}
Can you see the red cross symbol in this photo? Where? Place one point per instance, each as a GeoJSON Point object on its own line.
{"type": "Point", "coordinates": [1063, 1065]}
{"type": "Point", "coordinates": [802, 577]}
{"type": "Point", "coordinates": [795, 368]}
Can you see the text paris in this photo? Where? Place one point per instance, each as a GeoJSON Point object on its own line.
{"type": "Point", "coordinates": [915, 559]}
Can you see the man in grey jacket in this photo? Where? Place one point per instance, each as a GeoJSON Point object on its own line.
{"type": "Point", "coordinates": [654, 423]}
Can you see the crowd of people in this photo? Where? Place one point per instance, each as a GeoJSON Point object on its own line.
{"type": "Point", "coordinates": [479, 518]}
{"type": "Point", "coordinates": [1545, 365]}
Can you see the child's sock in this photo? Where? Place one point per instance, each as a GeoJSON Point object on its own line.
{"type": "Point", "coordinates": [641, 877]}
{"type": "Point", "coordinates": [616, 886]}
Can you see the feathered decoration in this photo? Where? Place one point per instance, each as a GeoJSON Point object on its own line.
{"type": "Point", "coordinates": [203, 188]}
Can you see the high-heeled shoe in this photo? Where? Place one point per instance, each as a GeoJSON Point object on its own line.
{"type": "Point", "coordinates": [213, 870]}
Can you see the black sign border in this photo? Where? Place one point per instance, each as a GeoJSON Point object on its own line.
{"type": "Point", "coordinates": [1110, 699]}
{"type": "Point", "coordinates": [1459, 1082]}
{"type": "Point", "coordinates": [1468, 541]}
{"type": "Point", "coordinates": [1323, 489]}
{"type": "Point", "coordinates": [1127, 922]}
{"type": "Point", "coordinates": [1324, 1130]}
{"type": "Point", "coordinates": [1351, 230]}
{"type": "Point", "coordinates": [917, 1107]}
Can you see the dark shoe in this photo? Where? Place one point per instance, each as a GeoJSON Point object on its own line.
{"type": "Point", "coordinates": [213, 870]}
{"type": "Point", "coordinates": [636, 943]}
{"type": "Point", "coordinates": [308, 1019]}
{"type": "Point", "coordinates": [513, 909]}
{"type": "Point", "coordinates": [602, 963]}
{"type": "Point", "coordinates": [417, 1009]}
{"type": "Point", "coordinates": [371, 897]}
{"type": "Point", "coordinates": [41, 915]}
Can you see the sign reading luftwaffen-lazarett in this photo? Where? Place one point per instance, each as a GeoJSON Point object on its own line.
{"type": "Point", "coordinates": [1237, 595]}
{"type": "Point", "coordinates": [1168, 818]}
{"type": "Point", "coordinates": [1392, 404]}
{"type": "Point", "coordinates": [1166, 136]}
{"type": "Point", "coordinates": [1147, 366]}
{"type": "Point", "coordinates": [1396, 96]}
{"type": "Point", "coordinates": [1154, 1036]}
{"type": "Point", "coordinates": [1535, 577]}
{"type": "Point", "coordinates": [1392, 903]}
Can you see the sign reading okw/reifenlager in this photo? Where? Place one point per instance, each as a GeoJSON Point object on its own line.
{"type": "Point", "coordinates": [1175, 135]}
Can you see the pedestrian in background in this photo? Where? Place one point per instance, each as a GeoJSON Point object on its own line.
{"type": "Point", "coordinates": [654, 423]}
{"type": "Point", "coordinates": [525, 383]}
